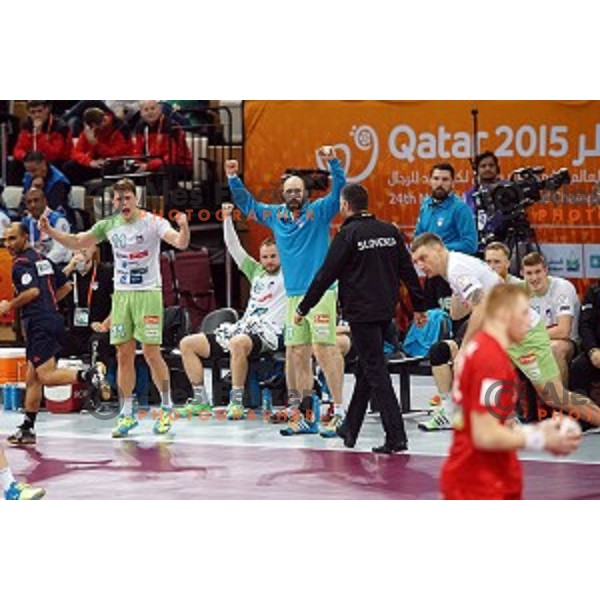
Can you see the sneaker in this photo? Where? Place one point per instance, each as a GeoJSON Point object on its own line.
{"type": "Point", "coordinates": [96, 378]}
{"type": "Point", "coordinates": [194, 408]}
{"type": "Point", "coordinates": [23, 491]}
{"type": "Point", "coordinates": [435, 401]}
{"type": "Point", "coordinates": [330, 430]}
{"type": "Point", "coordinates": [438, 422]}
{"type": "Point", "coordinates": [22, 437]}
{"type": "Point", "coordinates": [300, 427]}
{"type": "Point", "coordinates": [235, 411]}
{"type": "Point", "coordinates": [124, 425]}
{"type": "Point", "coordinates": [162, 425]}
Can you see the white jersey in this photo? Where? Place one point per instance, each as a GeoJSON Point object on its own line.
{"type": "Point", "coordinates": [268, 300]}
{"type": "Point", "coordinates": [136, 249]}
{"type": "Point", "coordinates": [560, 299]}
{"type": "Point", "coordinates": [466, 274]}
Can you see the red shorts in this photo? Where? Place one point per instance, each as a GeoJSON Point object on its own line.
{"type": "Point", "coordinates": [469, 493]}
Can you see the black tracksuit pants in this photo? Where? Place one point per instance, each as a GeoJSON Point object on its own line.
{"type": "Point", "coordinates": [373, 380]}
{"type": "Point", "coordinates": [584, 377]}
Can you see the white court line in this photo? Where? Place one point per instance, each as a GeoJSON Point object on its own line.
{"type": "Point", "coordinates": [149, 437]}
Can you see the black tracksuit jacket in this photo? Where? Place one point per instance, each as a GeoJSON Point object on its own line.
{"type": "Point", "coordinates": [370, 259]}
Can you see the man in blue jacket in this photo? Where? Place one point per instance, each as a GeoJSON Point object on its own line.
{"type": "Point", "coordinates": [445, 214]}
{"type": "Point", "coordinates": [450, 218]}
{"type": "Point", "coordinates": [301, 231]}
{"type": "Point", "coordinates": [55, 185]}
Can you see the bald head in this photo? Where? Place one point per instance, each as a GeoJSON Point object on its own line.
{"type": "Point", "coordinates": [150, 111]}
{"type": "Point", "coordinates": [35, 202]}
{"type": "Point", "coordinates": [294, 192]}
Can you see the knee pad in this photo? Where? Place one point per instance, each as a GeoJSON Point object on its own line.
{"type": "Point", "coordinates": [439, 354]}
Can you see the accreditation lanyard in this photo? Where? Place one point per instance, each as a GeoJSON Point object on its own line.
{"type": "Point", "coordinates": [90, 290]}
{"type": "Point", "coordinates": [81, 317]}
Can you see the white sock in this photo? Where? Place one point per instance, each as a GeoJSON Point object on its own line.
{"type": "Point", "coordinates": [446, 401]}
{"type": "Point", "coordinates": [127, 410]}
{"type": "Point", "coordinates": [166, 401]}
{"type": "Point", "coordinates": [236, 395]}
{"type": "Point", "coordinates": [6, 478]}
{"type": "Point", "coordinates": [338, 410]}
{"type": "Point", "coordinates": [201, 395]}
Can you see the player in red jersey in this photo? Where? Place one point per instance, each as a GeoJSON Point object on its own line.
{"type": "Point", "coordinates": [483, 461]}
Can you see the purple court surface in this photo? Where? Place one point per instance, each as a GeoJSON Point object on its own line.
{"type": "Point", "coordinates": [75, 458]}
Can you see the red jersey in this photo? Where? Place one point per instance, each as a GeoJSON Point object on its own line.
{"type": "Point", "coordinates": [485, 381]}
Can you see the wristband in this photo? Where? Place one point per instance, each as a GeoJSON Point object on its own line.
{"type": "Point", "coordinates": [535, 440]}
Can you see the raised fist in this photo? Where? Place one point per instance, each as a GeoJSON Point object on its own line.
{"type": "Point", "coordinates": [227, 209]}
{"type": "Point", "coordinates": [327, 152]}
{"type": "Point", "coordinates": [231, 168]}
{"type": "Point", "coordinates": [181, 219]}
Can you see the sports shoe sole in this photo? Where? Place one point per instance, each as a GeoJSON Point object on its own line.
{"type": "Point", "coordinates": [289, 433]}
{"type": "Point", "coordinates": [21, 443]}
{"type": "Point", "coordinates": [423, 427]}
{"type": "Point", "coordinates": [118, 434]}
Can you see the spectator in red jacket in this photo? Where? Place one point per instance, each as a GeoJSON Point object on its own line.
{"type": "Point", "coordinates": [40, 132]}
{"type": "Point", "coordinates": [156, 136]}
{"type": "Point", "coordinates": [103, 137]}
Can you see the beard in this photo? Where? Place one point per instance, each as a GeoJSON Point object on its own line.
{"type": "Point", "coordinates": [295, 204]}
{"type": "Point", "coordinates": [440, 194]}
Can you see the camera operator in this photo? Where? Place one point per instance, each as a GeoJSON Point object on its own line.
{"type": "Point", "coordinates": [487, 169]}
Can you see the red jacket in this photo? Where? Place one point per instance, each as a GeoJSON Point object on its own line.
{"type": "Point", "coordinates": [55, 141]}
{"type": "Point", "coordinates": [111, 142]}
{"type": "Point", "coordinates": [164, 140]}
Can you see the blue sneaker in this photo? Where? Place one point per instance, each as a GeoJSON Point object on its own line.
{"type": "Point", "coordinates": [300, 427]}
{"type": "Point", "coordinates": [330, 430]}
{"type": "Point", "coordinates": [23, 491]}
{"type": "Point", "coordinates": [124, 425]}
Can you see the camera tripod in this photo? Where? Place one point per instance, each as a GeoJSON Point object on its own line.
{"type": "Point", "coordinates": [520, 240]}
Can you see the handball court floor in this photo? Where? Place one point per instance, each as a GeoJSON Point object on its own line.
{"type": "Point", "coordinates": [75, 458]}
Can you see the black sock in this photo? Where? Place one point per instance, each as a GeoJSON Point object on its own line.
{"type": "Point", "coordinates": [306, 406]}
{"type": "Point", "coordinates": [29, 421]}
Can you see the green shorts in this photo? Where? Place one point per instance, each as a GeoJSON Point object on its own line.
{"type": "Point", "coordinates": [318, 327]}
{"type": "Point", "coordinates": [136, 314]}
{"type": "Point", "coordinates": [534, 357]}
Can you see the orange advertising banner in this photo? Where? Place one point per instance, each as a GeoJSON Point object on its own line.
{"type": "Point", "coordinates": [390, 147]}
{"type": "Point", "coordinates": [6, 285]}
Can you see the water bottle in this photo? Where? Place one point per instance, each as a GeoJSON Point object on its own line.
{"type": "Point", "coordinates": [267, 400]}
{"type": "Point", "coordinates": [17, 402]}
{"type": "Point", "coordinates": [6, 397]}
{"type": "Point", "coordinates": [10, 396]}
